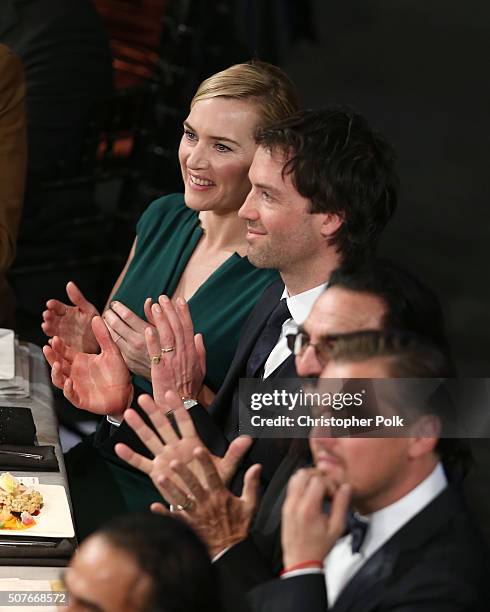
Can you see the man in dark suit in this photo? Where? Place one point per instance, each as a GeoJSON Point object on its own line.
{"type": "Point", "coordinates": [410, 545]}
{"type": "Point", "coordinates": [420, 551]}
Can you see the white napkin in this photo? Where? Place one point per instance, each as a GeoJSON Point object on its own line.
{"type": "Point", "coordinates": [17, 386]}
{"type": "Point", "coordinates": [7, 354]}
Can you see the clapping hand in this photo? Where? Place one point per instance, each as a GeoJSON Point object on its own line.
{"type": "Point", "coordinates": [221, 518]}
{"type": "Point", "coordinates": [308, 533]}
{"type": "Point", "coordinates": [72, 323]}
{"type": "Point", "coordinates": [128, 332]}
{"type": "Point", "coordinates": [167, 445]}
{"type": "Point", "coordinates": [98, 383]}
{"type": "Point", "coordinates": [179, 356]}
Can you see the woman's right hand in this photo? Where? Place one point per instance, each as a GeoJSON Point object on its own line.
{"type": "Point", "coordinates": [98, 383]}
{"type": "Point", "coordinates": [72, 323]}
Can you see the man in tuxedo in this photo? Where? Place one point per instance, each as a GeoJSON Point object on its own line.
{"type": "Point", "coordinates": [413, 547]}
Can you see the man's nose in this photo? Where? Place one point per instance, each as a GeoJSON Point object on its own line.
{"type": "Point", "coordinates": [248, 210]}
{"type": "Point", "coordinates": [307, 364]}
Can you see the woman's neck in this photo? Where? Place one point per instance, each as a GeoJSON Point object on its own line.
{"type": "Point", "coordinates": [224, 231]}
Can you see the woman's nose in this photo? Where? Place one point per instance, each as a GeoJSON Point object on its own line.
{"type": "Point", "coordinates": [197, 158]}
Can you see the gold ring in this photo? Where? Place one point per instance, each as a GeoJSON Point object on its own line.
{"type": "Point", "coordinates": [167, 349]}
{"type": "Point", "coordinates": [155, 360]}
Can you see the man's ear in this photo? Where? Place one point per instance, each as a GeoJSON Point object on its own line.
{"type": "Point", "coordinates": [331, 223]}
{"type": "Point", "coordinates": [426, 434]}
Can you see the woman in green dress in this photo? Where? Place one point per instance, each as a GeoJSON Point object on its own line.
{"type": "Point", "coordinates": [189, 246]}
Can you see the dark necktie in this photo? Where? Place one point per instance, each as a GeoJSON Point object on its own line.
{"type": "Point", "coordinates": [358, 528]}
{"type": "Point", "coordinates": [267, 339]}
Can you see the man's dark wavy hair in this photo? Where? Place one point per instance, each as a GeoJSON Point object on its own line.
{"type": "Point", "coordinates": [342, 166]}
{"type": "Point", "coordinates": [410, 304]}
{"type": "Point", "coordinates": [411, 356]}
{"type": "Point", "coordinates": [171, 554]}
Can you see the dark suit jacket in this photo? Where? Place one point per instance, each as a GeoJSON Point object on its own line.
{"type": "Point", "coordinates": [219, 424]}
{"type": "Point", "coordinates": [258, 558]}
{"type": "Point", "coordinates": [435, 563]}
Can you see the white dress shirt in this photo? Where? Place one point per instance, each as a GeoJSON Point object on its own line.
{"type": "Point", "coordinates": [299, 306]}
{"type": "Point", "coordinates": [341, 564]}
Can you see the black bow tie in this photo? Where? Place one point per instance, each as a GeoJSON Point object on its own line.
{"type": "Point", "coordinates": [358, 528]}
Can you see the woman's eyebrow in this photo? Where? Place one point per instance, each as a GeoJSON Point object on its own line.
{"type": "Point", "coordinates": [189, 127]}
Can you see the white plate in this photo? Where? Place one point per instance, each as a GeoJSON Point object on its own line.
{"type": "Point", "coordinates": [54, 519]}
{"type": "Point", "coordinates": [7, 354]}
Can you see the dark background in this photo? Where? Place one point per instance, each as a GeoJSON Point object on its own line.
{"type": "Point", "coordinates": [418, 71]}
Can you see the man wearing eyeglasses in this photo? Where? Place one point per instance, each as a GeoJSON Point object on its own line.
{"type": "Point", "coordinates": [414, 547]}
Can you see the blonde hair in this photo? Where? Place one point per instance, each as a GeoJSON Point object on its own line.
{"type": "Point", "coordinates": [266, 85]}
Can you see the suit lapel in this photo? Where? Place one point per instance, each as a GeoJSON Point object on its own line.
{"type": "Point", "coordinates": [256, 323]}
{"type": "Point", "coordinates": [269, 515]}
{"type": "Point", "coordinates": [250, 333]}
{"type": "Point", "coordinates": [367, 585]}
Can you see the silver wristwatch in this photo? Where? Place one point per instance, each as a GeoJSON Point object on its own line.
{"type": "Point", "coordinates": [189, 402]}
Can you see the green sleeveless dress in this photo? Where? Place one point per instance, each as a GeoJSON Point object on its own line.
{"type": "Point", "coordinates": [168, 232]}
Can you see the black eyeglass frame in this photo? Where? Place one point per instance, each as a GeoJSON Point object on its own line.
{"type": "Point", "coordinates": [300, 341]}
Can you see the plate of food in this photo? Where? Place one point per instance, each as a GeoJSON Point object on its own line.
{"type": "Point", "coordinates": [38, 510]}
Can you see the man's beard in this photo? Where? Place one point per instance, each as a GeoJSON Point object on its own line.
{"type": "Point", "coordinates": [268, 256]}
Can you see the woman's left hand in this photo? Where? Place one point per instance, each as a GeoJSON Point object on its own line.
{"type": "Point", "coordinates": [128, 332]}
{"type": "Point", "coordinates": [179, 356]}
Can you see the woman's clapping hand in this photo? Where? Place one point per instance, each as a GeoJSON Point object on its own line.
{"type": "Point", "coordinates": [98, 383]}
{"type": "Point", "coordinates": [72, 323]}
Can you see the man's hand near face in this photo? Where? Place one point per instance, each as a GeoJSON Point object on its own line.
{"type": "Point", "coordinates": [308, 533]}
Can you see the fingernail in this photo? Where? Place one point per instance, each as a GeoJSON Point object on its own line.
{"type": "Point", "coordinates": [164, 298]}
{"type": "Point", "coordinates": [156, 308]}
{"type": "Point", "coordinates": [181, 301]}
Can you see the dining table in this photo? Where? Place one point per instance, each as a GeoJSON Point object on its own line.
{"type": "Point", "coordinates": [16, 561]}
